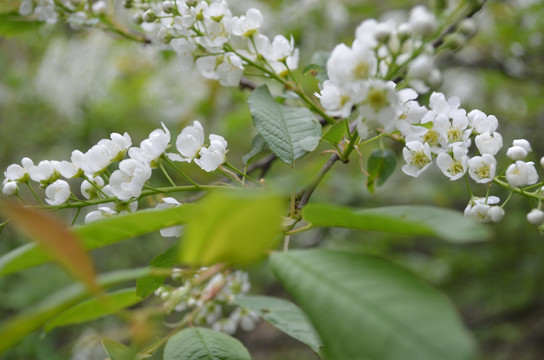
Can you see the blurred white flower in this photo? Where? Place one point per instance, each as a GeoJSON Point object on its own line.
{"type": "Point", "coordinates": [214, 155]}
{"type": "Point", "coordinates": [521, 174]}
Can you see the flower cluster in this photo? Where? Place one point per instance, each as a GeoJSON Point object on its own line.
{"type": "Point", "coordinates": [124, 186]}
{"type": "Point", "coordinates": [359, 76]}
{"type": "Point", "coordinates": [211, 302]}
{"type": "Point", "coordinates": [446, 132]}
{"type": "Point", "coordinates": [220, 44]}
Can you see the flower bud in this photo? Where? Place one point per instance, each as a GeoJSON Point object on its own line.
{"type": "Point", "coordinates": [454, 41]}
{"type": "Point", "coordinates": [404, 31]}
{"type": "Point", "coordinates": [516, 153]}
{"type": "Point", "coordinates": [149, 16]}
{"type": "Point", "coordinates": [523, 143]}
{"type": "Point", "coordinates": [536, 217]}
{"type": "Point", "coordinates": [542, 161]}
{"type": "Point", "coordinates": [467, 27]}
{"type": "Point", "coordinates": [495, 213]}
{"type": "Point", "coordinates": [168, 7]}
{"type": "Point", "coordinates": [10, 188]}
{"type": "Point", "coordinates": [99, 8]}
{"type": "Point", "coordinates": [137, 18]}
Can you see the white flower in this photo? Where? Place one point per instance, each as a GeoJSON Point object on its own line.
{"type": "Point", "coordinates": [439, 104]}
{"type": "Point", "coordinates": [57, 193]}
{"type": "Point", "coordinates": [496, 213]}
{"type": "Point", "coordinates": [457, 131]}
{"type": "Point", "coordinates": [247, 318]}
{"type": "Point", "coordinates": [227, 68]}
{"type": "Point", "coordinates": [516, 153]}
{"type": "Point", "coordinates": [381, 105]}
{"type": "Point", "coordinates": [418, 158]}
{"type": "Point", "coordinates": [480, 209]}
{"type": "Point", "coordinates": [347, 65]}
{"type": "Point", "coordinates": [335, 100]}
{"type": "Point", "coordinates": [482, 168]}
{"type": "Point", "coordinates": [488, 143]}
{"type": "Point", "coordinates": [117, 146]}
{"type": "Point", "coordinates": [128, 181]}
{"type": "Point", "coordinates": [214, 155]}
{"type": "Point", "coordinates": [184, 49]}
{"type": "Point", "coordinates": [247, 25]}
{"type": "Point", "coordinates": [523, 143]}
{"type": "Point", "coordinates": [173, 231]}
{"type": "Point", "coordinates": [151, 148]}
{"type": "Point", "coordinates": [42, 172]}
{"type": "Point", "coordinates": [521, 174]}
{"type": "Point", "coordinates": [90, 191]}
{"type": "Point", "coordinates": [94, 161]}
{"type": "Point", "coordinates": [226, 325]}
{"type": "Point", "coordinates": [101, 213]}
{"type": "Point", "coordinates": [15, 172]}
{"type": "Point", "coordinates": [536, 217]}
{"type": "Point", "coordinates": [453, 167]}
{"type": "Point", "coordinates": [483, 123]}
{"type": "Point", "coordinates": [423, 22]}
{"type": "Point", "coordinates": [10, 187]}
{"type": "Point", "coordinates": [189, 142]}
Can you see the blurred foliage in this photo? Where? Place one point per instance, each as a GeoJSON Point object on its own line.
{"type": "Point", "coordinates": [61, 90]}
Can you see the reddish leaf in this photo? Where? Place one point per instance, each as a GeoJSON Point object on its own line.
{"type": "Point", "coordinates": [55, 238]}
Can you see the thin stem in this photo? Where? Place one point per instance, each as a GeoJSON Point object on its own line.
{"type": "Point", "coordinates": [286, 239]}
{"type": "Point", "coordinates": [166, 174]}
{"type": "Point", "coordinates": [75, 217]}
{"type": "Point", "coordinates": [300, 229]}
{"type": "Point", "coordinates": [320, 175]}
{"type": "Point", "coordinates": [171, 163]}
{"type": "Point", "coordinates": [241, 173]}
{"type": "Point", "coordinates": [468, 186]}
{"type": "Point", "coordinates": [519, 191]}
{"type": "Point", "coordinates": [34, 193]}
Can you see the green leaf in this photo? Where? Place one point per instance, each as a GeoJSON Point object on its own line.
{"type": "Point", "coordinates": [381, 164]}
{"type": "Point", "coordinates": [365, 308]}
{"type": "Point", "coordinates": [32, 318]}
{"type": "Point", "coordinates": [204, 344]}
{"type": "Point", "coordinates": [285, 316]}
{"type": "Point", "coordinates": [257, 145]}
{"type": "Point", "coordinates": [335, 133]}
{"type": "Point", "coordinates": [446, 224]}
{"type": "Point", "coordinates": [318, 65]}
{"type": "Point", "coordinates": [289, 132]}
{"type": "Point", "coordinates": [100, 233]}
{"type": "Point", "coordinates": [147, 284]}
{"type": "Point", "coordinates": [236, 227]}
{"type": "Point", "coordinates": [12, 24]}
{"type": "Point", "coordinates": [118, 351]}
{"type": "Point", "coordinates": [95, 308]}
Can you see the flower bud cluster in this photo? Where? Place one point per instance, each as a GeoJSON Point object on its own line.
{"type": "Point", "coordinates": [124, 185]}
{"type": "Point", "coordinates": [357, 75]}
{"type": "Point", "coordinates": [220, 44]}
{"type": "Point", "coordinates": [78, 13]}
{"type": "Point", "coordinates": [211, 303]}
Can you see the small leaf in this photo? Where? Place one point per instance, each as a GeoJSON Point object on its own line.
{"type": "Point", "coordinates": [204, 344]}
{"type": "Point", "coordinates": [33, 317]}
{"type": "Point", "coordinates": [381, 164]}
{"type": "Point", "coordinates": [95, 308]}
{"type": "Point", "coordinates": [289, 132]}
{"type": "Point", "coordinates": [285, 316]}
{"type": "Point", "coordinates": [118, 351]}
{"type": "Point", "coordinates": [335, 133]}
{"type": "Point", "coordinates": [318, 65]}
{"type": "Point", "coordinates": [146, 285]}
{"type": "Point", "coordinates": [365, 308]}
{"type": "Point", "coordinates": [100, 233]}
{"type": "Point", "coordinates": [446, 224]}
{"type": "Point", "coordinates": [53, 236]}
{"type": "Point", "coordinates": [257, 145]}
{"type": "Point", "coordinates": [236, 227]}
{"type": "Point", "coordinates": [12, 24]}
